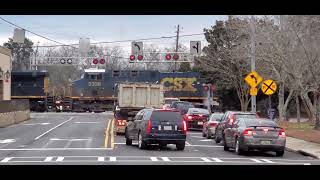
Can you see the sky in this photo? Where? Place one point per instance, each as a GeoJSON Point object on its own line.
{"type": "Point", "coordinates": [69, 29]}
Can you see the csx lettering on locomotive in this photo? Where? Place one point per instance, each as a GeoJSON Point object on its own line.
{"type": "Point", "coordinates": [179, 84]}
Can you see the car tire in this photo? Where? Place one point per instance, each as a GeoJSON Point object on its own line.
{"type": "Point", "coordinates": [128, 141]}
{"type": "Point", "coordinates": [141, 143]}
{"type": "Point", "coordinates": [225, 147]}
{"type": "Point", "coordinates": [203, 134]}
{"type": "Point", "coordinates": [217, 139]}
{"type": "Point", "coordinates": [161, 146]}
{"type": "Point", "coordinates": [208, 135]}
{"type": "Point", "coordinates": [279, 153]}
{"type": "Point", "coordinates": [238, 150]}
{"type": "Point", "coordinates": [180, 146]}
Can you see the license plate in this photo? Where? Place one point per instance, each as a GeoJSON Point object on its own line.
{"type": "Point", "coordinates": [167, 128]}
{"type": "Point", "coordinates": [265, 142]}
{"type": "Point", "coordinates": [200, 123]}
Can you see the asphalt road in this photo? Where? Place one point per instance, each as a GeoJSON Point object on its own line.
{"type": "Point", "coordinates": [88, 138]}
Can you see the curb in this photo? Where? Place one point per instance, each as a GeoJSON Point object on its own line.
{"type": "Point", "coordinates": [302, 152]}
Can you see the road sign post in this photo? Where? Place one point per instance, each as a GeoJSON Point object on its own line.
{"type": "Point", "coordinates": [269, 87]}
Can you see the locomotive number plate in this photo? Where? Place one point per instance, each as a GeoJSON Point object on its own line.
{"type": "Point", "coordinates": [94, 83]}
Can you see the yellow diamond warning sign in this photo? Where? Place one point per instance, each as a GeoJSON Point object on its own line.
{"type": "Point", "coordinates": [253, 79]}
{"type": "Point", "coordinates": [253, 91]}
{"type": "Point", "coordinates": [268, 87]}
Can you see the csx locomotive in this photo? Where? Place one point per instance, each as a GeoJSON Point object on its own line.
{"type": "Point", "coordinates": [95, 90]}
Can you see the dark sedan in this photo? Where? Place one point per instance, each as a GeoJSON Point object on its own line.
{"type": "Point", "coordinates": [255, 134]}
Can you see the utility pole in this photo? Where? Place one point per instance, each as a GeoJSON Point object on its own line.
{"type": "Point", "coordinates": [253, 60]}
{"type": "Point", "coordinates": [175, 67]}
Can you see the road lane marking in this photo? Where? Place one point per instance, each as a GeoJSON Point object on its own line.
{"type": "Point", "coordinates": [307, 164]}
{"type": "Point", "coordinates": [59, 159]}
{"type": "Point", "coordinates": [54, 149]}
{"type": "Point", "coordinates": [267, 160]}
{"type": "Point", "coordinates": [113, 159]}
{"type": "Point", "coordinates": [187, 143]}
{"type": "Point", "coordinates": [87, 122]}
{"type": "Point", "coordinates": [200, 137]}
{"type": "Point", "coordinates": [58, 139]}
{"type": "Point", "coordinates": [36, 124]}
{"type": "Point", "coordinates": [256, 160]}
{"type": "Point", "coordinates": [112, 134]}
{"type": "Point", "coordinates": [206, 160]}
{"type": "Point", "coordinates": [48, 159]}
{"type": "Point", "coordinates": [154, 159]}
{"type": "Point", "coordinates": [67, 144]}
{"type": "Point", "coordinates": [5, 141]}
{"type": "Point", "coordinates": [6, 159]}
{"type": "Point", "coordinates": [206, 140]}
{"type": "Point", "coordinates": [53, 128]}
{"type": "Point", "coordinates": [165, 159]}
{"type": "Point", "coordinates": [217, 159]}
{"type": "Point", "coordinates": [107, 135]}
{"type": "Point", "coordinates": [100, 159]}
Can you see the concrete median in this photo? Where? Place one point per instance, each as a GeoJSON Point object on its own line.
{"type": "Point", "coordinates": [13, 112]}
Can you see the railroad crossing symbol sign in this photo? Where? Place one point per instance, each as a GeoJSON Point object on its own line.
{"type": "Point", "coordinates": [136, 48]}
{"type": "Point", "coordinates": [253, 91]}
{"type": "Point", "coordinates": [253, 79]}
{"type": "Point", "coordinates": [268, 87]}
{"type": "Point", "coordinates": [195, 47]}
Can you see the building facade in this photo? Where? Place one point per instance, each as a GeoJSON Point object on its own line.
{"type": "Point", "coordinates": [5, 74]}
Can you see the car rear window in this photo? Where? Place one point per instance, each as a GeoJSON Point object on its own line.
{"type": "Point", "coordinates": [169, 101]}
{"type": "Point", "coordinates": [260, 122]}
{"type": "Point", "coordinates": [198, 111]}
{"type": "Point", "coordinates": [166, 115]}
{"type": "Point", "coordinates": [237, 116]}
{"type": "Point", "coordinates": [121, 116]}
{"type": "Point", "coordinates": [216, 116]}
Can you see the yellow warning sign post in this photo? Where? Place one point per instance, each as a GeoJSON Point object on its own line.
{"type": "Point", "coordinates": [268, 87]}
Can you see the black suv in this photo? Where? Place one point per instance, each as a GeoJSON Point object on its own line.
{"type": "Point", "coordinates": [157, 126]}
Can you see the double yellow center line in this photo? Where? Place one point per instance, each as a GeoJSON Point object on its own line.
{"type": "Point", "coordinates": [109, 139]}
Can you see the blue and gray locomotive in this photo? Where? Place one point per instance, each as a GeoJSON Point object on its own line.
{"type": "Point", "coordinates": [95, 91]}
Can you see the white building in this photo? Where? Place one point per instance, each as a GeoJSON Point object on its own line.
{"type": "Point", "coordinates": [5, 74]}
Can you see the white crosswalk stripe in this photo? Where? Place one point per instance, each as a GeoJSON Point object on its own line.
{"type": "Point", "coordinates": [206, 160]}
{"type": "Point", "coordinates": [217, 159]}
{"type": "Point", "coordinates": [267, 160]}
{"type": "Point", "coordinates": [113, 158]}
{"type": "Point", "coordinates": [256, 160]}
{"type": "Point", "coordinates": [154, 159]}
{"type": "Point", "coordinates": [48, 159]}
{"type": "Point", "coordinates": [165, 159]}
{"type": "Point", "coordinates": [100, 159]}
{"type": "Point", "coordinates": [59, 159]}
{"type": "Point", "coordinates": [7, 159]}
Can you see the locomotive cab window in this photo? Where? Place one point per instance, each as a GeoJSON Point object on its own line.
{"type": "Point", "coordinates": [116, 73]}
{"type": "Point", "coordinates": [93, 77]}
{"type": "Point", "coordinates": [99, 77]}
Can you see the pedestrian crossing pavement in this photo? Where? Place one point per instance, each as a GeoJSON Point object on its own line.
{"type": "Point", "coordinates": [152, 160]}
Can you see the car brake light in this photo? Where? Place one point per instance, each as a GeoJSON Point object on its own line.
{"type": "Point", "coordinates": [184, 126]}
{"type": "Point", "coordinates": [148, 130]}
{"type": "Point", "coordinates": [189, 117]}
{"type": "Point", "coordinates": [282, 133]}
{"type": "Point", "coordinates": [121, 122]}
{"type": "Point", "coordinates": [248, 132]}
{"type": "Point", "coordinates": [213, 124]}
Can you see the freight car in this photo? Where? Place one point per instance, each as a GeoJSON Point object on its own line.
{"type": "Point", "coordinates": [95, 91]}
{"type": "Point", "coordinates": [31, 85]}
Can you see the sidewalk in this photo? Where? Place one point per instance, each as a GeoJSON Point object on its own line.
{"type": "Point", "coordinates": [301, 146]}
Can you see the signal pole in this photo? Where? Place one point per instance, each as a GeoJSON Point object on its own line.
{"type": "Point", "coordinates": [175, 67]}
{"type": "Point", "coordinates": [253, 61]}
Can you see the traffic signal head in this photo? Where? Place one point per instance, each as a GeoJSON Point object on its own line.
{"type": "Point", "coordinates": [168, 56]}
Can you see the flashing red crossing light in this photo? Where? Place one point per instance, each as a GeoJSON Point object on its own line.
{"type": "Point", "coordinates": [102, 61]}
{"type": "Point", "coordinates": [140, 57]}
{"type": "Point", "coordinates": [168, 57]}
{"type": "Point", "coordinates": [132, 58]}
{"type": "Point", "coordinates": [175, 56]}
{"type": "Point", "coordinates": [206, 88]}
{"type": "Point", "coordinates": [213, 88]}
{"type": "Point", "coordinates": [95, 61]}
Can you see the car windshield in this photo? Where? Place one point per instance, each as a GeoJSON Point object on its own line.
{"type": "Point", "coordinates": [166, 115]}
{"type": "Point", "coordinates": [198, 111]}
